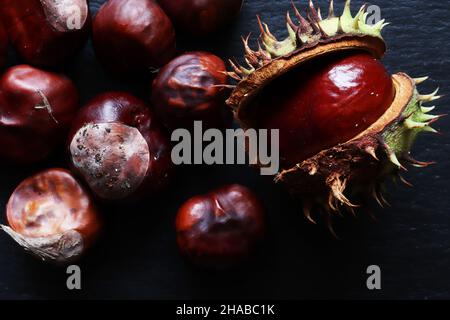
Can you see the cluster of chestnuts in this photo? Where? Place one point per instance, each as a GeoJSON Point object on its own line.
{"type": "Point", "coordinates": [117, 146]}
{"type": "Point", "coordinates": [345, 124]}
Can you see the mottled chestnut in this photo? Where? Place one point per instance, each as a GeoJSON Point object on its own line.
{"type": "Point", "coordinates": [133, 37]}
{"type": "Point", "coordinates": [36, 111]}
{"type": "Point", "coordinates": [46, 33]}
{"type": "Point", "coordinates": [190, 88]}
{"type": "Point", "coordinates": [119, 150]}
{"type": "Point", "coordinates": [221, 228]}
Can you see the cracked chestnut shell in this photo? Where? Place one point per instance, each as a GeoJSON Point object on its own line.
{"type": "Point", "coordinates": [52, 216]}
{"type": "Point", "coordinates": [201, 18]}
{"type": "Point", "coordinates": [191, 88]}
{"type": "Point", "coordinates": [133, 37]}
{"type": "Point", "coordinates": [36, 111]}
{"type": "Point", "coordinates": [118, 149]}
{"type": "Point", "coordinates": [46, 33]}
{"type": "Point", "coordinates": [221, 228]}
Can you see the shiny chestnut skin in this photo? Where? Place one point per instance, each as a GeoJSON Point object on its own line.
{"type": "Point", "coordinates": [221, 228]}
{"type": "Point", "coordinates": [53, 213]}
{"type": "Point", "coordinates": [188, 89]}
{"type": "Point", "coordinates": [327, 102]}
{"type": "Point", "coordinates": [133, 37]}
{"type": "Point", "coordinates": [44, 32]}
{"type": "Point", "coordinates": [119, 149]}
{"type": "Point", "coordinates": [36, 111]}
{"type": "Point", "coordinates": [201, 17]}
{"type": "Point", "coordinates": [3, 45]}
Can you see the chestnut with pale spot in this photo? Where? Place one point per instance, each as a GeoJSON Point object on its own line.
{"type": "Point", "coordinates": [52, 216]}
{"type": "Point", "coordinates": [118, 149]}
{"type": "Point", "coordinates": [201, 18]}
{"type": "Point", "coordinates": [112, 155]}
{"type": "Point", "coordinates": [192, 87]}
{"type": "Point", "coordinates": [36, 110]}
{"type": "Point", "coordinates": [46, 32]}
{"type": "Point", "coordinates": [222, 228]}
{"type": "Point", "coordinates": [133, 37]}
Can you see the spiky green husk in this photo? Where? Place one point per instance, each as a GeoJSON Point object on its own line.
{"type": "Point", "coordinates": [417, 119]}
{"type": "Point", "coordinates": [346, 176]}
{"type": "Point", "coordinates": [307, 32]}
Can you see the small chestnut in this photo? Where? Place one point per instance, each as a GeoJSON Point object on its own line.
{"type": "Point", "coordinates": [189, 88]}
{"type": "Point", "coordinates": [52, 216]}
{"type": "Point", "coordinates": [3, 45]}
{"type": "Point", "coordinates": [118, 148]}
{"type": "Point", "coordinates": [133, 37]}
{"type": "Point", "coordinates": [201, 18]}
{"type": "Point", "coordinates": [221, 228]}
{"type": "Point", "coordinates": [36, 110]}
{"type": "Point", "coordinates": [46, 33]}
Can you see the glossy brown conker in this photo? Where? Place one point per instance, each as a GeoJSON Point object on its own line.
{"type": "Point", "coordinates": [46, 33]}
{"type": "Point", "coordinates": [201, 17]}
{"type": "Point", "coordinates": [119, 149]}
{"type": "Point", "coordinates": [36, 111]}
{"type": "Point", "coordinates": [220, 229]}
{"type": "Point", "coordinates": [51, 215]}
{"type": "Point", "coordinates": [191, 88]}
{"type": "Point", "coordinates": [133, 37]}
{"type": "Point", "coordinates": [325, 102]}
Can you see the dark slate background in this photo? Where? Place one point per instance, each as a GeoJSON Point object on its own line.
{"type": "Point", "coordinates": [137, 256]}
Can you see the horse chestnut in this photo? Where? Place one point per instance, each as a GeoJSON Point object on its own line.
{"type": "Point", "coordinates": [133, 37]}
{"type": "Point", "coordinates": [325, 103]}
{"type": "Point", "coordinates": [46, 32]}
{"type": "Point", "coordinates": [220, 228]}
{"type": "Point", "coordinates": [201, 18]}
{"type": "Point", "coordinates": [345, 124]}
{"type": "Point", "coordinates": [3, 45]}
{"type": "Point", "coordinates": [118, 148]}
{"type": "Point", "coordinates": [189, 88]}
{"type": "Point", "coordinates": [36, 110]}
{"type": "Point", "coordinates": [52, 216]}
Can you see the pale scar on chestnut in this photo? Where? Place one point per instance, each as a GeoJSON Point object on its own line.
{"type": "Point", "coordinates": [52, 216]}
{"type": "Point", "coordinates": [66, 15]}
{"type": "Point", "coordinates": [112, 157]}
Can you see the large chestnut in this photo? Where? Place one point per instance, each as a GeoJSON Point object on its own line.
{"type": "Point", "coordinates": [52, 216]}
{"type": "Point", "coordinates": [201, 17]}
{"type": "Point", "coordinates": [118, 148]}
{"type": "Point", "coordinates": [221, 228]}
{"type": "Point", "coordinates": [133, 37]}
{"type": "Point", "coordinates": [46, 32]}
{"type": "Point", "coordinates": [189, 88]}
{"type": "Point", "coordinates": [325, 103]}
{"type": "Point", "coordinates": [3, 45]}
{"type": "Point", "coordinates": [36, 110]}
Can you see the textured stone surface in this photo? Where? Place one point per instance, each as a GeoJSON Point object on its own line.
{"type": "Point", "coordinates": [138, 258]}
